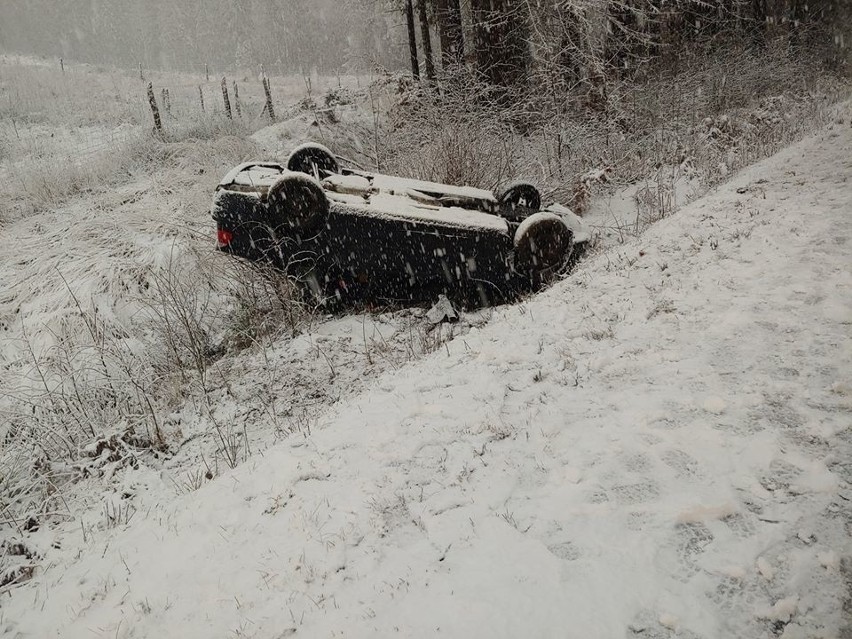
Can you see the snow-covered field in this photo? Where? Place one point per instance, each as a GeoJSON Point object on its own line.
{"type": "Point", "coordinates": [658, 446]}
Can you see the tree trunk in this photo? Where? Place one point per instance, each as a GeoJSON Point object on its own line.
{"type": "Point", "coordinates": [412, 38]}
{"type": "Point", "coordinates": [426, 39]}
{"type": "Point", "coordinates": [757, 23]}
{"type": "Point", "coordinates": [619, 46]}
{"type": "Point", "coordinates": [450, 32]}
{"type": "Point", "coordinates": [501, 35]}
{"type": "Point", "coordinates": [797, 17]}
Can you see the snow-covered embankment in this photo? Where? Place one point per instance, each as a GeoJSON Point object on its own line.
{"type": "Point", "coordinates": [658, 445]}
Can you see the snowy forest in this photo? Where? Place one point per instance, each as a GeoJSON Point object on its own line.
{"type": "Point", "coordinates": [504, 38]}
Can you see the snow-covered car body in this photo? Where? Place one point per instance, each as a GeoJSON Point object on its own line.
{"type": "Point", "coordinates": [350, 235]}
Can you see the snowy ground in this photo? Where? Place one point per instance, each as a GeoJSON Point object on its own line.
{"type": "Point", "coordinates": [658, 446]}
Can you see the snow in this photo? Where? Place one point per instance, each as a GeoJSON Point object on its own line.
{"type": "Point", "coordinates": [765, 568]}
{"type": "Point", "coordinates": [351, 184]}
{"type": "Point", "coordinates": [781, 610]}
{"type": "Point", "coordinates": [234, 174]}
{"type": "Point", "coordinates": [405, 209]}
{"type": "Point", "coordinates": [580, 230]}
{"type": "Point", "coordinates": [392, 184]}
{"type": "Point", "coordinates": [656, 446]}
{"type": "Point", "coordinates": [532, 221]}
{"type": "Point", "coordinates": [257, 175]}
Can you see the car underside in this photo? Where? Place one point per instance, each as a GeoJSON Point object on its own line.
{"type": "Point", "coordinates": [350, 236]}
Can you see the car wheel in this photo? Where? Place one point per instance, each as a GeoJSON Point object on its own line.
{"type": "Point", "coordinates": [313, 159]}
{"type": "Point", "coordinates": [297, 205]}
{"type": "Point", "coordinates": [542, 246]}
{"type": "Point", "coordinates": [518, 200]}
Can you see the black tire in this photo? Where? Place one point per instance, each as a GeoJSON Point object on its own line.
{"type": "Point", "coordinates": [297, 205]}
{"type": "Point", "coordinates": [542, 247]}
{"type": "Point", "coordinates": [313, 159]}
{"type": "Point", "coordinates": [518, 201]}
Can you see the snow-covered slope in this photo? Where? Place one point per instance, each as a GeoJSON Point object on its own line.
{"type": "Point", "coordinates": [658, 446]}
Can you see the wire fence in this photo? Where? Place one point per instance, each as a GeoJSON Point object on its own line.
{"type": "Point", "coordinates": [77, 116]}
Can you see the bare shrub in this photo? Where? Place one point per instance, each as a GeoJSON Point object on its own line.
{"type": "Point", "coordinates": [86, 405]}
{"type": "Point", "coordinates": [186, 309]}
{"type": "Point", "coordinates": [266, 303]}
{"type": "Point", "coordinates": [460, 135]}
{"type": "Point", "coordinates": [704, 113]}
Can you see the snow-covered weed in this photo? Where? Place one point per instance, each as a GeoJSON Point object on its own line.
{"type": "Point", "coordinates": [117, 513]}
{"type": "Point", "coordinates": [63, 133]}
{"type": "Point", "coordinates": [232, 441]}
{"type": "Point", "coordinates": [459, 135]}
{"type": "Point", "coordinates": [186, 309]}
{"type": "Point", "coordinates": [600, 333]}
{"type": "Point", "coordinates": [85, 406]}
{"type": "Point", "coordinates": [267, 303]}
{"type": "Point", "coordinates": [18, 563]}
{"type": "Point", "coordinates": [92, 398]}
{"type": "Point", "coordinates": [192, 480]}
{"type": "Point", "coordinates": [655, 198]}
{"type": "Point", "coordinates": [43, 179]}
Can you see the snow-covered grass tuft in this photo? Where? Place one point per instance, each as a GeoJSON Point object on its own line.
{"type": "Point", "coordinates": [87, 392]}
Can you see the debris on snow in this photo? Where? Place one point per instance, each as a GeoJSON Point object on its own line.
{"type": "Point", "coordinates": [442, 311]}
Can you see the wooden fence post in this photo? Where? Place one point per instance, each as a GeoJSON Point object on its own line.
{"type": "Point", "coordinates": [207, 71]}
{"type": "Point", "coordinates": [226, 100]}
{"type": "Point", "coordinates": [269, 108]}
{"type": "Point", "coordinates": [167, 103]}
{"type": "Point", "coordinates": [62, 65]}
{"type": "Point", "coordinates": [201, 97]}
{"type": "Point", "coordinates": [158, 124]}
{"type": "Point", "coordinates": [237, 100]}
{"type": "Point", "coordinates": [141, 75]}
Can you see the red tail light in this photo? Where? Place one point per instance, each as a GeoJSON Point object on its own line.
{"type": "Point", "coordinates": [224, 237]}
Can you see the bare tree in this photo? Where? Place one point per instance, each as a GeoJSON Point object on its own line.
{"type": "Point", "coordinates": [449, 19]}
{"type": "Point", "coordinates": [501, 37]}
{"type": "Point", "coordinates": [756, 24]}
{"type": "Point", "coordinates": [426, 39]}
{"type": "Point", "coordinates": [412, 38]}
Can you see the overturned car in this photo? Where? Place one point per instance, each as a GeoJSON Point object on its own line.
{"type": "Point", "coordinates": [351, 236]}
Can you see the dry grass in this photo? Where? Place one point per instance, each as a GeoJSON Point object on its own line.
{"type": "Point", "coordinates": [65, 134]}
{"type": "Point", "coordinates": [125, 307]}
{"type": "Point", "coordinates": [93, 399]}
{"type": "Point", "coordinates": [713, 114]}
